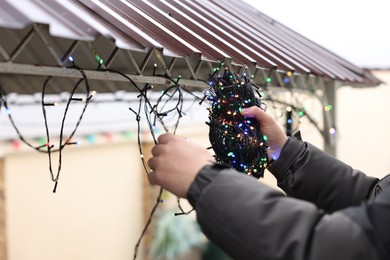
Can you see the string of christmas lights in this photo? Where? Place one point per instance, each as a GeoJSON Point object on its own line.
{"type": "Point", "coordinates": [293, 115]}
{"type": "Point", "coordinates": [236, 140]}
{"type": "Point", "coordinates": [48, 147]}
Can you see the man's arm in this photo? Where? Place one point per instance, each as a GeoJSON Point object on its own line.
{"type": "Point", "coordinates": [303, 171]}
{"type": "Point", "coordinates": [250, 220]}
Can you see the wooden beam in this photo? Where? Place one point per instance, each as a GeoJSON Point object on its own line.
{"type": "Point", "coordinates": [25, 69]}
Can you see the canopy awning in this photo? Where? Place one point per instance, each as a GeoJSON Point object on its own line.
{"type": "Point", "coordinates": [186, 38]}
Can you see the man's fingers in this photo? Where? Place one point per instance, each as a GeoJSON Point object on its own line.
{"type": "Point", "coordinates": [152, 178]}
{"type": "Point", "coordinates": [152, 163]}
{"type": "Point", "coordinates": [165, 138]}
{"type": "Point", "coordinates": [257, 113]}
{"type": "Point", "coordinates": [157, 149]}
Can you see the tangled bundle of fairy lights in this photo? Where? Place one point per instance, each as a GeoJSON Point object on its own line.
{"type": "Point", "coordinates": [236, 140]}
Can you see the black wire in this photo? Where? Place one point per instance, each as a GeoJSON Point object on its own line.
{"type": "Point", "coordinates": [149, 221]}
{"type": "Point", "coordinates": [153, 113]}
{"type": "Point", "coordinates": [55, 177]}
{"type": "Point", "coordinates": [49, 147]}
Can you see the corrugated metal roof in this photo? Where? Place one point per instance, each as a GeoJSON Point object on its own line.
{"type": "Point", "coordinates": [195, 30]}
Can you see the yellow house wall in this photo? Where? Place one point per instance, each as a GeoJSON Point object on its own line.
{"type": "Point", "coordinates": [95, 214]}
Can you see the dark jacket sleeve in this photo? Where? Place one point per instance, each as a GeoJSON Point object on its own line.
{"type": "Point", "coordinates": [250, 220]}
{"type": "Point", "coordinates": [373, 217]}
{"type": "Point", "coordinates": [303, 171]}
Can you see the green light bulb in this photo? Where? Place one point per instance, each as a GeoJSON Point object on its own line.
{"type": "Point", "coordinates": [128, 135]}
{"type": "Point", "coordinates": [328, 108]}
{"type": "Point", "coordinates": [42, 141]}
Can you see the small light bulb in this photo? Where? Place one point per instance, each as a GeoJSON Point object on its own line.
{"type": "Point", "coordinates": [90, 139]}
{"type": "Point", "coordinates": [328, 108]}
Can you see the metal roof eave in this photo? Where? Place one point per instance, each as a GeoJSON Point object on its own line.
{"type": "Point", "coordinates": [182, 36]}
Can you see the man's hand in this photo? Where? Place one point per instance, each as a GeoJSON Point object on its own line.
{"type": "Point", "coordinates": [176, 162]}
{"type": "Point", "coordinates": [270, 128]}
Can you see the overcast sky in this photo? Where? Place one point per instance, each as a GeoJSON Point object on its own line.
{"type": "Point", "coordinates": [357, 30]}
